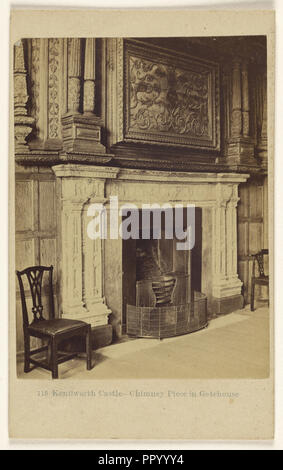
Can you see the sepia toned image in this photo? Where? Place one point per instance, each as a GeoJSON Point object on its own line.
{"type": "Point", "coordinates": [141, 225]}
{"type": "Point", "coordinates": [135, 131]}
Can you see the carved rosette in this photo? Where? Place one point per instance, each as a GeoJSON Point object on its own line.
{"type": "Point", "coordinates": [23, 122]}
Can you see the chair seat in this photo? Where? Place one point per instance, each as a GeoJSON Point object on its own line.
{"type": "Point", "coordinates": [57, 326]}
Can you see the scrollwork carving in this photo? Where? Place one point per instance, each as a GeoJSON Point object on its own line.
{"type": "Point", "coordinates": [53, 89]}
{"type": "Point", "coordinates": [165, 98]}
{"type": "Point", "coordinates": [35, 87]}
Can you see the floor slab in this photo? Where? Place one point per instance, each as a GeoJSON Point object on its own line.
{"type": "Point", "coordinates": [232, 346]}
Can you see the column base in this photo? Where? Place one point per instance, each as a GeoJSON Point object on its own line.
{"type": "Point", "coordinates": [221, 306]}
{"type": "Point", "coordinates": [96, 314]}
{"type": "Point", "coordinates": [241, 151]}
{"type": "Point", "coordinates": [82, 133]}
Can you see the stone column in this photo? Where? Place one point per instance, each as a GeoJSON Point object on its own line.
{"type": "Point", "coordinates": [226, 286]}
{"type": "Point", "coordinates": [74, 75]}
{"type": "Point", "coordinates": [245, 100]}
{"type": "Point", "coordinates": [82, 131]}
{"type": "Point", "coordinates": [236, 125]}
{"type": "Point", "coordinates": [23, 123]}
{"type": "Point", "coordinates": [89, 76]}
{"type": "Point", "coordinates": [240, 149]}
{"type": "Point", "coordinates": [262, 141]}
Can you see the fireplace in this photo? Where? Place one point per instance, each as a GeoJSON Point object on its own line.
{"type": "Point", "coordinates": [99, 278]}
{"type": "Point", "coordinates": [158, 293]}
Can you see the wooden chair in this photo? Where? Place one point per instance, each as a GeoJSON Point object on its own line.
{"type": "Point", "coordinates": [53, 330]}
{"type": "Point", "coordinates": [262, 279]}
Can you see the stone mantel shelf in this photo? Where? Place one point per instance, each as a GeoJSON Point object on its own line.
{"type": "Point", "coordinates": [86, 171]}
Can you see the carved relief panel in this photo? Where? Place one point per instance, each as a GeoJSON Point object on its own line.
{"type": "Point", "coordinates": [161, 97]}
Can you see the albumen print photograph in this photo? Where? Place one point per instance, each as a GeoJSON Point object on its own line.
{"type": "Point", "coordinates": [141, 208]}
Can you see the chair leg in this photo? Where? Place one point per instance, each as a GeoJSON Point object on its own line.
{"type": "Point", "coordinates": [27, 352]}
{"type": "Point", "coordinates": [54, 359]}
{"type": "Point", "coordinates": [88, 349]}
{"type": "Point", "coordinates": [253, 296]}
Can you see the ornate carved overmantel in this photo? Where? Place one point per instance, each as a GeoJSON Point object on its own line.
{"type": "Point", "coordinates": [160, 97]}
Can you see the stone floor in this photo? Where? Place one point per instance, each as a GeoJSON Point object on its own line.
{"type": "Point", "coordinates": [232, 346]}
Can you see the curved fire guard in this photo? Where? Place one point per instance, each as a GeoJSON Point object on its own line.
{"type": "Point", "coordinates": [167, 321]}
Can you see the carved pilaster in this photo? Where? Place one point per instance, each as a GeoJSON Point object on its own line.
{"type": "Point", "coordinates": [23, 122]}
{"type": "Point", "coordinates": [82, 275]}
{"type": "Point", "coordinates": [224, 268]}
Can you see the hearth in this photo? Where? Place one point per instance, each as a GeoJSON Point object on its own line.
{"type": "Point", "coordinates": [158, 292]}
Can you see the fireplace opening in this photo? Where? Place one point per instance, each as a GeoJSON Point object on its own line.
{"type": "Point", "coordinates": [161, 284]}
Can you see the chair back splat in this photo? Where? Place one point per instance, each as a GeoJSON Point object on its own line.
{"type": "Point", "coordinates": [35, 275]}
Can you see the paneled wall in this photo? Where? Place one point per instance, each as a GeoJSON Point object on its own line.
{"type": "Point", "coordinates": [35, 221]}
{"type": "Point", "coordinates": [252, 228]}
